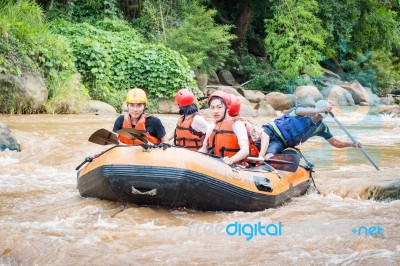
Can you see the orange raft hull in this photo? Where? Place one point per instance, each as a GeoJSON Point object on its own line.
{"type": "Point", "coordinates": [177, 177]}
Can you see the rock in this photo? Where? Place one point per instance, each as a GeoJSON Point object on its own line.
{"type": "Point", "coordinates": [330, 74]}
{"type": "Point", "coordinates": [167, 106]}
{"type": "Point", "coordinates": [265, 109]}
{"type": "Point", "coordinates": [7, 140]}
{"type": "Point", "coordinates": [99, 108]}
{"type": "Point", "coordinates": [227, 89]}
{"type": "Point", "coordinates": [25, 94]}
{"type": "Point", "coordinates": [358, 92]}
{"type": "Point", "coordinates": [337, 96]}
{"type": "Point", "coordinates": [304, 92]}
{"type": "Point", "coordinates": [307, 100]}
{"type": "Point", "coordinates": [32, 87]}
{"type": "Point", "coordinates": [227, 78]}
{"type": "Point", "coordinates": [280, 101]}
{"type": "Point", "coordinates": [213, 79]}
{"type": "Point", "coordinates": [254, 96]}
{"type": "Point", "coordinates": [205, 112]}
{"type": "Point", "coordinates": [386, 100]}
{"type": "Point", "coordinates": [395, 92]}
{"type": "Point", "coordinates": [202, 80]}
{"type": "Point", "coordinates": [393, 110]}
{"type": "Point", "coordinates": [247, 111]}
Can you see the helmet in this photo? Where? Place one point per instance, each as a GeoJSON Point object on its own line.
{"type": "Point", "coordinates": [321, 105]}
{"type": "Point", "coordinates": [136, 96]}
{"type": "Point", "coordinates": [184, 97]}
{"type": "Point", "coordinates": [223, 95]}
{"type": "Point", "coordinates": [235, 105]}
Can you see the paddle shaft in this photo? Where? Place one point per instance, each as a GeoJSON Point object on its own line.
{"type": "Point", "coordinates": [268, 160]}
{"type": "Point", "coordinates": [354, 141]}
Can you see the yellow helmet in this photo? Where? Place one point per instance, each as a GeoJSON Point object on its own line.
{"type": "Point", "coordinates": [136, 95]}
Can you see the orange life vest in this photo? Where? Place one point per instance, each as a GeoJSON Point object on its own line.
{"type": "Point", "coordinates": [141, 126]}
{"type": "Point", "coordinates": [186, 136]}
{"type": "Point", "coordinates": [222, 140]}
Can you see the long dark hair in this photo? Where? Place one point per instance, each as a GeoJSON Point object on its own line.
{"type": "Point", "coordinates": [188, 110]}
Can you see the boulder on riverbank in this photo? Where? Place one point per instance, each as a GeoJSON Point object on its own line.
{"type": "Point", "coordinates": [99, 108]}
{"type": "Point", "coordinates": [7, 140]}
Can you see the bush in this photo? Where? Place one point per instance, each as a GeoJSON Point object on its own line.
{"type": "Point", "coordinates": [205, 44]}
{"type": "Point", "coordinates": [27, 45]}
{"type": "Point", "coordinates": [111, 62]}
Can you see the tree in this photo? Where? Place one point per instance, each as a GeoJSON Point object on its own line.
{"type": "Point", "coordinates": [205, 44]}
{"type": "Point", "coordinates": [295, 38]}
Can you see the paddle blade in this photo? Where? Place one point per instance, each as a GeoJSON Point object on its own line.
{"type": "Point", "coordinates": [131, 133]}
{"type": "Point", "coordinates": [104, 137]}
{"type": "Point", "coordinates": [285, 162]}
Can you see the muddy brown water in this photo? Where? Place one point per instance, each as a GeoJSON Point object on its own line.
{"type": "Point", "coordinates": [44, 220]}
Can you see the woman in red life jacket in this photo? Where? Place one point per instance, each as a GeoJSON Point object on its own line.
{"type": "Point", "coordinates": [191, 126]}
{"type": "Point", "coordinates": [151, 126]}
{"type": "Point", "coordinates": [227, 137]}
{"type": "Point", "coordinates": [255, 133]}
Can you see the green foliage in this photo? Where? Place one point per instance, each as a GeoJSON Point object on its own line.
{"type": "Point", "coordinates": [113, 61]}
{"type": "Point", "coordinates": [205, 44]}
{"type": "Point", "coordinates": [27, 45]}
{"type": "Point", "coordinates": [339, 19]}
{"type": "Point", "coordinates": [378, 70]}
{"type": "Point", "coordinates": [363, 33]}
{"type": "Point", "coordinates": [261, 75]}
{"type": "Point", "coordinates": [295, 38]}
{"type": "Point", "coordinates": [70, 97]}
{"type": "Point", "coordinates": [10, 100]}
{"type": "Point", "coordinates": [377, 28]}
{"type": "Point", "coordinates": [157, 16]}
{"type": "Point", "coordinates": [85, 10]}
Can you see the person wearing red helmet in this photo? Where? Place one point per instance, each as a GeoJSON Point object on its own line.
{"type": "Point", "coordinates": [191, 126]}
{"type": "Point", "coordinates": [255, 133]}
{"type": "Point", "coordinates": [226, 137]}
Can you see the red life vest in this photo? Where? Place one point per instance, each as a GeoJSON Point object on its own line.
{"type": "Point", "coordinates": [186, 136]}
{"type": "Point", "coordinates": [141, 126]}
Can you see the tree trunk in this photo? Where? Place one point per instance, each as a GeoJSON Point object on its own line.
{"type": "Point", "coordinates": [242, 22]}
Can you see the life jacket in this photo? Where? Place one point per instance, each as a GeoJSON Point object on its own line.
{"type": "Point", "coordinates": [186, 136]}
{"type": "Point", "coordinates": [253, 151]}
{"type": "Point", "coordinates": [294, 130]}
{"type": "Point", "coordinates": [223, 141]}
{"type": "Point", "coordinates": [140, 126]}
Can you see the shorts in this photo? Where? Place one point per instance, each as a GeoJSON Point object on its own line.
{"type": "Point", "coordinates": [276, 144]}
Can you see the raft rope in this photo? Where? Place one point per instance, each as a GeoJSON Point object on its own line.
{"type": "Point", "coordinates": [162, 145]}
{"type": "Point", "coordinates": [308, 166]}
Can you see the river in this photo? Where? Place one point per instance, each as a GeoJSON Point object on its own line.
{"type": "Point", "coordinates": [44, 220]}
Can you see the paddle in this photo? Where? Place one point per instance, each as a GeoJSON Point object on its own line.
{"type": "Point", "coordinates": [354, 141]}
{"type": "Point", "coordinates": [104, 137]}
{"type": "Point", "coordinates": [283, 162]}
{"type": "Point", "coordinates": [131, 133]}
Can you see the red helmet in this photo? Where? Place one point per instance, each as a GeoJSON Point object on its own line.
{"type": "Point", "coordinates": [235, 105]}
{"type": "Point", "coordinates": [184, 97]}
{"type": "Point", "coordinates": [223, 95]}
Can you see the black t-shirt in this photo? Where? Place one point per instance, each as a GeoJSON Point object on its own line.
{"type": "Point", "coordinates": [153, 126]}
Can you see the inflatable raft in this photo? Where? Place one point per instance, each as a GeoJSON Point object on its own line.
{"type": "Point", "coordinates": [176, 177]}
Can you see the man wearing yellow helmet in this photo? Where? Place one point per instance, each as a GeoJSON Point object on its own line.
{"type": "Point", "coordinates": [151, 126]}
